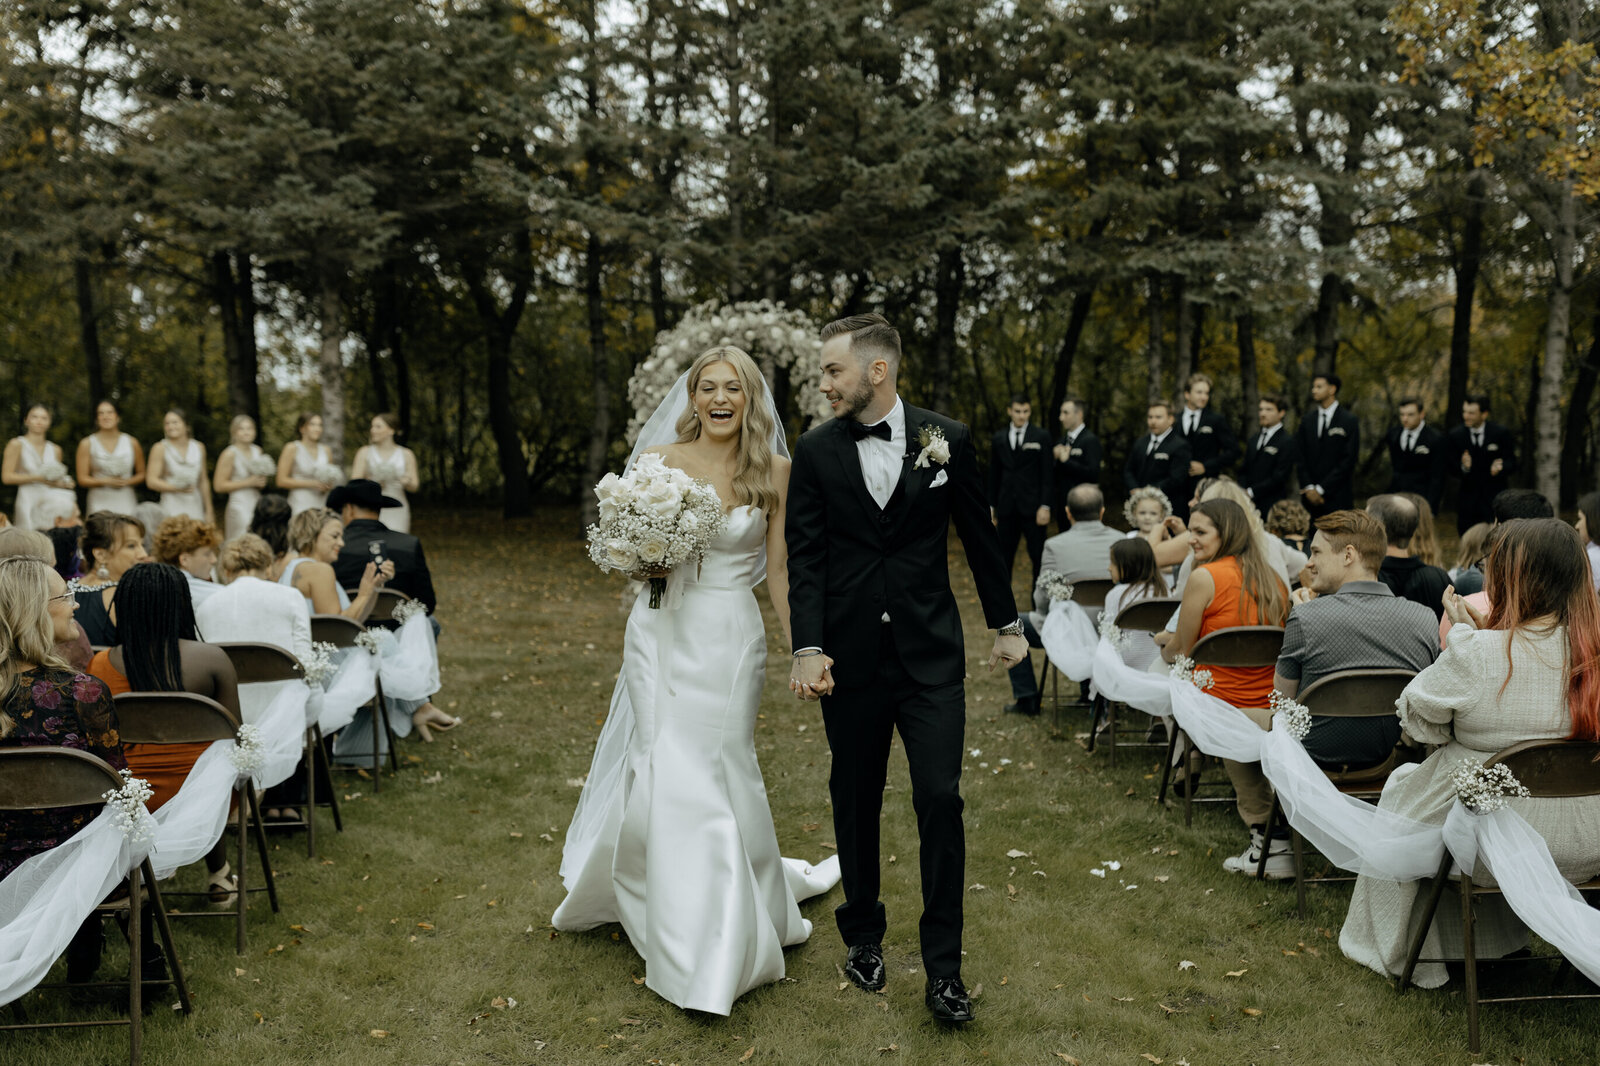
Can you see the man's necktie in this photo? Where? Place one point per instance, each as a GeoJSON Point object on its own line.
{"type": "Point", "coordinates": [1152, 449]}
{"type": "Point", "coordinates": [1322, 424]}
{"type": "Point", "coordinates": [1477, 438]}
{"type": "Point", "coordinates": [1262, 443]}
{"type": "Point", "coordinates": [1407, 441]}
{"type": "Point", "coordinates": [877, 429]}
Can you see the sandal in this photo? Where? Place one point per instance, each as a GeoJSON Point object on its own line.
{"type": "Point", "coordinates": [223, 886]}
{"type": "Point", "coordinates": [426, 729]}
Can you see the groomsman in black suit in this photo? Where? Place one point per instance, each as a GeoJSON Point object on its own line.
{"type": "Point", "coordinates": [1212, 447]}
{"type": "Point", "coordinates": [1019, 484]}
{"type": "Point", "coordinates": [1077, 454]}
{"type": "Point", "coordinates": [1417, 454]}
{"type": "Point", "coordinates": [1269, 456]}
{"type": "Point", "coordinates": [1330, 441]}
{"type": "Point", "coordinates": [1160, 458]}
{"type": "Point", "coordinates": [1486, 457]}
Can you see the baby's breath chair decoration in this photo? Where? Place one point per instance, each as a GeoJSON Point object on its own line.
{"type": "Point", "coordinates": [1296, 716]}
{"type": "Point", "coordinates": [1484, 790]}
{"type": "Point", "coordinates": [775, 336]}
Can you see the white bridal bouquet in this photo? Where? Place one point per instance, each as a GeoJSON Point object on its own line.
{"type": "Point", "coordinates": [261, 466]}
{"type": "Point", "coordinates": [180, 482]}
{"type": "Point", "coordinates": [52, 471]}
{"type": "Point", "coordinates": [653, 519]}
{"type": "Point", "coordinates": [328, 474]}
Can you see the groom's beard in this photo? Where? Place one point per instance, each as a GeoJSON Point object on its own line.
{"type": "Point", "coordinates": [856, 402]}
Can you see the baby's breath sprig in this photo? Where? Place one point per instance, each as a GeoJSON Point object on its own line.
{"type": "Point", "coordinates": [1054, 585]}
{"type": "Point", "coordinates": [1184, 670]}
{"type": "Point", "coordinates": [128, 802]}
{"type": "Point", "coordinates": [409, 610]}
{"type": "Point", "coordinates": [1296, 717]}
{"type": "Point", "coordinates": [1109, 631]}
{"type": "Point", "coordinates": [247, 754]}
{"type": "Point", "coordinates": [1485, 790]}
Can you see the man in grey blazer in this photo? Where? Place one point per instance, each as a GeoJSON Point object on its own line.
{"type": "Point", "coordinates": [1082, 553]}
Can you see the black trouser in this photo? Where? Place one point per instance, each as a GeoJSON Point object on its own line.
{"type": "Point", "coordinates": [932, 722]}
{"type": "Point", "coordinates": [1014, 527]}
{"type": "Point", "coordinates": [1474, 505]}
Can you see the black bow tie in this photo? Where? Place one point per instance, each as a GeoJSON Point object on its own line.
{"type": "Point", "coordinates": [877, 429]}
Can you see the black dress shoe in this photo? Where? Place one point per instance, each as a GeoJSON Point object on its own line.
{"type": "Point", "coordinates": [864, 967]}
{"type": "Point", "coordinates": [947, 1000]}
{"type": "Point", "coordinates": [1028, 705]}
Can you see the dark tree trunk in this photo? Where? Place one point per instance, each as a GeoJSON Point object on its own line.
{"type": "Point", "coordinates": [330, 361]}
{"type": "Point", "coordinates": [234, 293]}
{"type": "Point", "coordinates": [499, 331]}
{"type": "Point", "coordinates": [383, 335]}
{"type": "Point", "coordinates": [949, 279]}
{"type": "Point", "coordinates": [659, 310]}
{"type": "Point", "coordinates": [89, 333]}
{"type": "Point", "coordinates": [1153, 326]}
{"type": "Point", "coordinates": [1468, 262]}
{"type": "Point", "coordinates": [1326, 325]}
{"type": "Point", "coordinates": [1183, 331]}
{"type": "Point", "coordinates": [599, 375]}
{"type": "Point", "coordinates": [402, 384]}
{"type": "Point", "coordinates": [1244, 326]}
{"type": "Point", "coordinates": [1580, 415]}
{"type": "Point", "coordinates": [1197, 312]}
{"type": "Point", "coordinates": [1077, 318]}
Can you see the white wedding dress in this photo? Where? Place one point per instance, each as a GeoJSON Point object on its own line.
{"type": "Point", "coordinates": [673, 836]}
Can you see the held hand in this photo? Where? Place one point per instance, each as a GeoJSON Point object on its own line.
{"type": "Point", "coordinates": [1466, 461]}
{"type": "Point", "coordinates": [1061, 452]}
{"type": "Point", "coordinates": [1196, 469]}
{"type": "Point", "coordinates": [370, 579]}
{"type": "Point", "coordinates": [809, 678]}
{"type": "Point", "coordinates": [1042, 516]}
{"type": "Point", "coordinates": [1460, 612]}
{"type": "Point", "coordinates": [1496, 466]}
{"type": "Point", "coordinates": [1302, 595]}
{"type": "Point", "coordinates": [258, 482]}
{"type": "Point", "coordinates": [1008, 650]}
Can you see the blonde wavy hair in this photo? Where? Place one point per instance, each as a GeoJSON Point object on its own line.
{"type": "Point", "coordinates": [1141, 494]}
{"type": "Point", "coordinates": [306, 527]}
{"type": "Point", "coordinates": [27, 634]}
{"type": "Point", "coordinates": [752, 476]}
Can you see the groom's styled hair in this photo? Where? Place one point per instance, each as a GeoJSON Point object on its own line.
{"type": "Point", "coordinates": [871, 337]}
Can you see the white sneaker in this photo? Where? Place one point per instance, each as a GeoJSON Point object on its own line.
{"type": "Point", "coordinates": [1280, 859]}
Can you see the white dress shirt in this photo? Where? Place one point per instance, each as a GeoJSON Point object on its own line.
{"type": "Point", "coordinates": [883, 460]}
{"type": "Point", "coordinates": [1155, 443]}
{"type": "Point", "coordinates": [262, 612]}
{"type": "Point", "coordinates": [1191, 420]}
{"type": "Point", "coordinates": [1408, 437]}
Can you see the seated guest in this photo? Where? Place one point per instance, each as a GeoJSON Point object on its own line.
{"type": "Point", "coordinates": [1233, 584]}
{"type": "Point", "coordinates": [190, 545]}
{"type": "Point", "coordinates": [1133, 568]}
{"type": "Point", "coordinates": [1529, 671]}
{"type": "Point", "coordinates": [43, 702]}
{"type": "Point", "coordinates": [150, 515]}
{"type": "Point", "coordinates": [1289, 521]}
{"type": "Point", "coordinates": [16, 542]}
{"type": "Point", "coordinates": [158, 651]}
{"type": "Point", "coordinates": [1424, 542]}
{"type": "Point", "coordinates": [1407, 577]}
{"type": "Point", "coordinates": [1079, 554]}
{"type": "Point", "coordinates": [57, 511]}
{"type": "Point", "coordinates": [1285, 561]}
{"type": "Point", "coordinates": [1588, 527]}
{"type": "Point", "coordinates": [358, 502]}
{"type": "Point", "coordinates": [1347, 619]}
{"type": "Point", "coordinates": [112, 543]}
{"type": "Point", "coordinates": [66, 553]}
{"type": "Point", "coordinates": [1470, 554]}
{"type": "Point", "coordinates": [315, 537]}
{"type": "Point", "coordinates": [1145, 510]}
{"type": "Point", "coordinates": [1507, 505]}
{"type": "Point", "coordinates": [270, 522]}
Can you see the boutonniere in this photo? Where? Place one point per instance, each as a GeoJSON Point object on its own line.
{"type": "Point", "coordinates": [1337, 432]}
{"type": "Point", "coordinates": [1271, 449]}
{"type": "Point", "coordinates": [1492, 448]}
{"type": "Point", "coordinates": [934, 447]}
{"type": "Point", "coordinates": [1421, 449]}
{"type": "Point", "coordinates": [1206, 429]}
{"type": "Point", "coordinates": [1162, 455]}
{"type": "Point", "coordinates": [1032, 446]}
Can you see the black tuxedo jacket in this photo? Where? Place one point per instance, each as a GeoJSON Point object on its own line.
{"type": "Point", "coordinates": [1266, 471]}
{"type": "Point", "coordinates": [1330, 461]}
{"type": "Point", "coordinates": [1082, 465]}
{"type": "Point", "coordinates": [1167, 469]}
{"type": "Point", "coordinates": [410, 565]}
{"type": "Point", "coordinates": [1212, 443]}
{"type": "Point", "coordinates": [1420, 470]}
{"type": "Point", "coordinates": [851, 561]}
{"type": "Point", "coordinates": [1019, 478]}
{"type": "Point", "coordinates": [1498, 443]}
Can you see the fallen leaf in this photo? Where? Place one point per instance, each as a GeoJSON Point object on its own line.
{"type": "Point", "coordinates": [238, 972]}
{"type": "Point", "coordinates": [632, 1021]}
{"type": "Point", "coordinates": [1015, 854]}
{"type": "Point", "coordinates": [1185, 965]}
{"type": "Point", "coordinates": [1250, 1012]}
{"type": "Point", "coordinates": [1170, 1010]}
{"type": "Point", "coordinates": [1148, 1057]}
{"type": "Point", "coordinates": [748, 1052]}
{"type": "Point", "coordinates": [1161, 879]}
{"type": "Point", "coordinates": [976, 887]}
{"type": "Point", "coordinates": [843, 985]}
{"type": "Point", "coordinates": [1068, 1059]}
{"type": "Point", "coordinates": [378, 1033]}
{"type": "Point", "coordinates": [1098, 872]}
{"type": "Point", "coordinates": [424, 925]}
{"type": "Point", "coordinates": [891, 1047]}
{"type": "Point", "coordinates": [977, 990]}
{"type": "Point", "coordinates": [1236, 973]}
{"type": "Point", "coordinates": [1123, 999]}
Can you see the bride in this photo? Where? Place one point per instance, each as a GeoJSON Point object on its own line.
{"type": "Point", "coordinates": [673, 836]}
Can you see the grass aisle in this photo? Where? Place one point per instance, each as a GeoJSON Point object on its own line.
{"type": "Point", "coordinates": [421, 925]}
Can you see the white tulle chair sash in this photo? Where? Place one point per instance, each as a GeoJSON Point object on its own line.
{"type": "Point", "coordinates": [281, 726]}
{"type": "Point", "coordinates": [45, 899]}
{"type": "Point", "coordinates": [1069, 639]}
{"type": "Point", "coordinates": [409, 665]}
{"type": "Point", "coordinates": [351, 687]}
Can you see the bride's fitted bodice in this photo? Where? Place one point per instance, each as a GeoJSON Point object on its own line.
{"type": "Point", "coordinates": [738, 557]}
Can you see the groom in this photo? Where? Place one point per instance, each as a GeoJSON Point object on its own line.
{"type": "Point", "coordinates": [878, 636]}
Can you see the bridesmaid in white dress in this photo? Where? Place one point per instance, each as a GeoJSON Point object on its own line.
{"type": "Point", "coordinates": [306, 468]}
{"type": "Point", "coordinates": [33, 464]}
{"type": "Point", "coordinates": [178, 470]}
{"type": "Point", "coordinates": [110, 463]}
{"type": "Point", "coordinates": [673, 835]}
{"type": "Point", "coordinates": [241, 475]}
{"type": "Point", "coordinates": [393, 466]}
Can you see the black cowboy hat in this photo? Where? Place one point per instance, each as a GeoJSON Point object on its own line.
{"type": "Point", "coordinates": [363, 493]}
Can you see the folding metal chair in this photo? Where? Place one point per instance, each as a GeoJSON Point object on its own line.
{"type": "Point", "coordinates": [1549, 769]}
{"type": "Point", "coordinates": [46, 778]}
{"type": "Point", "coordinates": [257, 663]}
{"type": "Point", "coordinates": [1091, 596]}
{"type": "Point", "coordinates": [342, 632]}
{"type": "Point", "coordinates": [188, 718]}
{"type": "Point", "coordinates": [1345, 694]}
{"type": "Point", "coordinates": [1145, 616]}
{"type": "Point", "coordinates": [1237, 647]}
{"type": "Point", "coordinates": [383, 607]}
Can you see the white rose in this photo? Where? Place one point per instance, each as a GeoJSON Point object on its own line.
{"type": "Point", "coordinates": [620, 555]}
{"type": "Point", "coordinates": [688, 524]}
{"type": "Point", "coordinates": [653, 548]}
{"type": "Point", "coordinates": [662, 498]}
{"type": "Point", "coordinates": [939, 450]}
{"type": "Point", "coordinates": [609, 489]}
{"type": "Point", "coordinates": [609, 510]}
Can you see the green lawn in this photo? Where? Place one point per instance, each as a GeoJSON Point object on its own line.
{"type": "Point", "coordinates": [421, 924]}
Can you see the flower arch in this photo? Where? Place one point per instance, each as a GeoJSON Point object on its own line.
{"type": "Point", "coordinates": [777, 338]}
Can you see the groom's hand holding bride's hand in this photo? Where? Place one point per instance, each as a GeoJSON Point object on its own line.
{"type": "Point", "coordinates": [1009, 650]}
{"type": "Point", "coordinates": [810, 678]}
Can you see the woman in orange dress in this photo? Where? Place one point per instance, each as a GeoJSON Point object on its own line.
{"type": "Point", "coordinates": [1233, 584]}
{"type": "Point", "coordinates": [157, 650]}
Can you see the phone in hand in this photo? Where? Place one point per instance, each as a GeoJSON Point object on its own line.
{"type": "Point", "coordinates": [376, 548]}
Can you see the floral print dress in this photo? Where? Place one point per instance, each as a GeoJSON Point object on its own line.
{"type": "Point", "coordinates": [54, 707]}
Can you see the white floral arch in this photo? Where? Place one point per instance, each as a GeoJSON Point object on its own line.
{"type": "Point", "coordinates": [777, 337]}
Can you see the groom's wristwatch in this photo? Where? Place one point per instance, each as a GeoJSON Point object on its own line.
{"type": "Point", "coordinates": [1012, 630]}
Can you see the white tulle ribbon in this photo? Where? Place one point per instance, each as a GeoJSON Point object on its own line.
{"type": "Point", "coordinates": [352, 686]}
{"type": "Point", "coordinates": [127, 806]}
{"type": "Point", "coordinates": [1070, 639]}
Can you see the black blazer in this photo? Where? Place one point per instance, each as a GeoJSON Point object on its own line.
{"type": "Point", "coordinates": [410, 565]}
{"type": "Point", "coordinates": [1082, 465]}
{"type": "Point", "coordinates": [1330, 461]}
{"type": "Point", "coordinates": [1266, 471]}
{"type": "Point", "coordinates": [850, 561]}
{"type": "Point", "coordinates": [1420, 470]}
{"type": "Point", "coordinates": [1498, 443]}
{"type": "Point", "coordinates": [1167, 469]}
{"type": "Point", "coordinates": [1212, 444]}
{"type": "Point", "coordinates": [1019, 479]}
